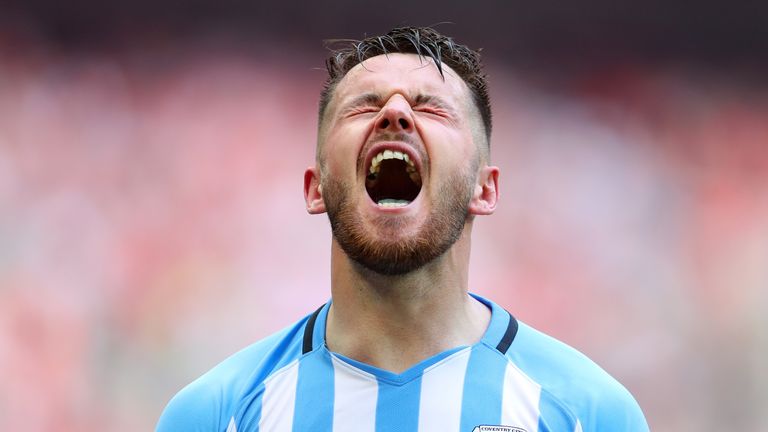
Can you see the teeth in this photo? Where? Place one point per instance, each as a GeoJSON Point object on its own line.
{"type": "Point", "coordinates": [392, 154]}
{"type": "Point", "coordinates": [389, 202]}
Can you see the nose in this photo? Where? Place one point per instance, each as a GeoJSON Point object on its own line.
{"type": "Point", "coordinates": [395, 116]}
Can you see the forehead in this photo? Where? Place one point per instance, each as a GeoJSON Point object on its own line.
{"type": "Point", "coordinates": [408, 74]}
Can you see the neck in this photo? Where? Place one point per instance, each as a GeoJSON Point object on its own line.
{"type": "Point", "coordinates": [393, 322]}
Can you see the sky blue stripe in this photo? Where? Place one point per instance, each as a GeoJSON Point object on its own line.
{"type": "Point", "coordinates": [483, 387]}
{"type": "Point", "coordinates": [249, 420]}
{"type": "Point", "coordinates": [314, 393]}
{"type": "Point", "coordinates": [397, 407]}
{"type": "Point", "coordinates": [553, 416]}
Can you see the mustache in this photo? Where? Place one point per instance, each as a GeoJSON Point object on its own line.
{"type": "Point", "coordinates": [389, 136]}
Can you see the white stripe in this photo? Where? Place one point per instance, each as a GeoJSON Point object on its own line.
{"type": "Point", "coordinates": [578, 426]}
{"type": "Point", "coordinates": [442, 386]}
{"type": "Point", "coordinates": [232, 427]}
{"type": "Point", "coordinates": [520, 400]}
{"type": "Point", "coordinates": [354, 401]}
{"type": "Point", "coordinates": [279, 399]}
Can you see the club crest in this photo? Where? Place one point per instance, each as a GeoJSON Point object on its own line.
{"type": "Point", "coordinates": [497, 428]}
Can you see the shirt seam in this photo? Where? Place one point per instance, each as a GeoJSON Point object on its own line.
{"type": "Point", "coordinates": [556, 399]}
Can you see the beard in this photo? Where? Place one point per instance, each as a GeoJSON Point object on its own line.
{"type": "Point", "coordinates": [383, 251]}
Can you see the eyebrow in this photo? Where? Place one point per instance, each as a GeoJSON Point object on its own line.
{"type": "Point", "coordinates": [420, 99]}
{"type": "Point", "coordinates": [432, 99]}
{"type": "Point", "coordinates": [364, 99]}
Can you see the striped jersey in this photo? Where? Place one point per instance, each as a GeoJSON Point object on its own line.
{"type": "Point", "coordinates": [515, 379]}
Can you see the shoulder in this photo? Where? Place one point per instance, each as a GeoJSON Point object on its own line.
{"type": "Point", "coordinates": [207, 403]}
{"type": "Point", "coordinates": [574, 383]}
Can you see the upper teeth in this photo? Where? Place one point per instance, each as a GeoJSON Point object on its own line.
{"type": "Point", "coordinates": [391, 154]}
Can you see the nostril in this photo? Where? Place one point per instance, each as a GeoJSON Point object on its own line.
{"type": "Point", "coordinates": [404, 123]}
{"type": "Point", "coordinates": [384, 123]}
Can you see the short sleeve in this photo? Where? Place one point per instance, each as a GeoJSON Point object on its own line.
{"type": "Point", "coordinates": [193, 409]}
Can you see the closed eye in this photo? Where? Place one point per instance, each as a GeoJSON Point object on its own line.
{"type": "Point", "coordinates": [428, 109]}
{"type": "Point", "coordinates": [362, 110]}
{"type": "Point", "coordinates": [433, 105]}
{"type": "Point", "coordinates": [363, 104]}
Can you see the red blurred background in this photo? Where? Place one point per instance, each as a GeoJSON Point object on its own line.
{"type": "Point", "coordinates": [152, 221]}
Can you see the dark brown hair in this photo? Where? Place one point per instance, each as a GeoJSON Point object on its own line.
{"type": "Point", "coordinates": [423, 41]}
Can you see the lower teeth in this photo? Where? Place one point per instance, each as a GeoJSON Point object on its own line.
{"type": "Point", "coordinates": [389, 202]}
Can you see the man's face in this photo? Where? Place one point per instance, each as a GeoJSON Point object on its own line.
{"type": "Point", "coordinates": [398, 161]}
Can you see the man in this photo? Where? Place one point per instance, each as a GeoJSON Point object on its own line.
{"type": "Point", "coordinates": [402, 170]}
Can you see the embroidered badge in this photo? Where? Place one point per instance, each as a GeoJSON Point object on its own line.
{"type": "Point", "coordinates": [497, 428]}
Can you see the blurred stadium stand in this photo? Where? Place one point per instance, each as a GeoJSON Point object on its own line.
{"type": "Point", "coordinates": [151, 218]}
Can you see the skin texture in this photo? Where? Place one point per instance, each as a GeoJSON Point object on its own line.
{"type": "Point", "coordinates": [399, 275]}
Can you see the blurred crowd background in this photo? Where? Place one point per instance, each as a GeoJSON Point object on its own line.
{"type": "Point", "coordinates": [152, 219]}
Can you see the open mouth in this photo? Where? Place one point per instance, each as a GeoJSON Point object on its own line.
{"type": "Point", "coordinates": [393, 180]}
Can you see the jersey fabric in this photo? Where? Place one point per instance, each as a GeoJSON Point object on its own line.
{"type": "Point", "coordinates": [515, 379]}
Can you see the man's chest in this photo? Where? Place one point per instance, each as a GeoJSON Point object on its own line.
{"type": "Point", "coordinates": [467, 390]}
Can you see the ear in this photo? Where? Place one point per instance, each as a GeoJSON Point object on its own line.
{"type": "Point", "coordinates": [486, 192]}
{"type": "Point", "coordinates": [313, 191]}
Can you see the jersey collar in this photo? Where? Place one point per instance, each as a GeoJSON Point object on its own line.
{"type": "Point", "coordinates": [500, 333]}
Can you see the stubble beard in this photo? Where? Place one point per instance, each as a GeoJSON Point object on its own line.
{"type": "Point", "coordinates": [385, 251]}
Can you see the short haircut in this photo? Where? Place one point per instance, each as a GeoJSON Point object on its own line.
{"type": "Point", "coordinates": [422, 41]}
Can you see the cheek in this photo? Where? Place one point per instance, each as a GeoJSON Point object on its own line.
{"type": "Point", "coordinates": [451, 149]}
{"type": "Point", "coordinates": [341, 150]}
